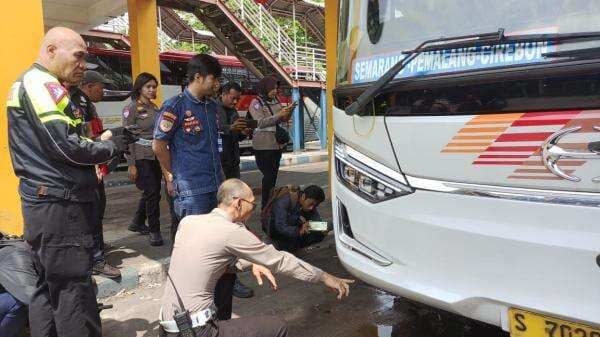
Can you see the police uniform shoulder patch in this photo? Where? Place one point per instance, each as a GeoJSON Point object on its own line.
{"type": "Point", "coordinates": [57, 91]}
{"type": "Point", "coordinates": [167, 120]}
{"type": "Point", "coordinates": [256, 105]}
{"type": "Point", "coordinates": [126, 111]}
{"type": "Point", "coordinates": [169, 115]}
{"type": "Point", "coordinates": [165, 125]}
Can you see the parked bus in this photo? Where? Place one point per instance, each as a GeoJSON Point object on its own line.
{"type": "Point", "coordinates": [466, 176]}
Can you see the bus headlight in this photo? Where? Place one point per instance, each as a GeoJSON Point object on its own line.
{"type": "Point", "coordinates": [369, 179]}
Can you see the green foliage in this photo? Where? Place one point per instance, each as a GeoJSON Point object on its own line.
{"type": "Point", "coordinates": [289, 27]}
{"type": "Point", "coordinates": [187, 46]}
{"type": "Point", "coordinates": [191, 20]}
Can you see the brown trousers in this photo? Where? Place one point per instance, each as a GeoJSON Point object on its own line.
{"type": "Point", "coordinates": [259, 326]}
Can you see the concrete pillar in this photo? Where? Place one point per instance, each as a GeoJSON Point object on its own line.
{"type": "Point", "coordinates": [297, 121]}
{"type": "Point", "coordinates": [323, 120]}
{"type": "Point", "coordinates": [331, 29]}
{"type": "Point", "coordinates": [23, 24]}
{"type": "Point", "coordinates": [144, 39]}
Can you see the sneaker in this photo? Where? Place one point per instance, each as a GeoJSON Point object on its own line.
{"type": "Point", "coordinates": [156, 239]}
{"type": "Point", "coordinates": [105, 269]}
{"type": "Point", "coordinates": [241, 291]}
{"type": "Point", "coordinates": [143, 229]}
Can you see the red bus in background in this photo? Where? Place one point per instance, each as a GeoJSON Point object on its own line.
{"type": "Point", "coordinates": [116, 65]}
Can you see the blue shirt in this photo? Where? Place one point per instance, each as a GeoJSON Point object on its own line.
{"type": "Point", "coordinates": [191, 128]}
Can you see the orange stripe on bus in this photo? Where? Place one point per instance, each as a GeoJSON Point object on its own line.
{"type": "Point", "coordinates": [467, 144]}
{"type": "Point", "coordinates": [508, 116]}
{"type": "Point", "coordinates": [474, 130]}
{"type": "Point", "coordinates": [492, 137]}
{"type": "Point", "coordinates": [479, 150]}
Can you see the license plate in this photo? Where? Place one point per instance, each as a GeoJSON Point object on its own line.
{"type": "Point", "coordinates": [527, 324]}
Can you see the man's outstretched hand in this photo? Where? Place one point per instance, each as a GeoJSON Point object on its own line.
{"type": "Point", "coordinates": [259, 271]}
{"type": "Point", "coordinates": [339, 285]}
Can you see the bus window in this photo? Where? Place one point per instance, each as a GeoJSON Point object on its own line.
{"type": "Point", "coordinates": [545, 94]}
{"type": "Point", "coordinates": [377, 31]}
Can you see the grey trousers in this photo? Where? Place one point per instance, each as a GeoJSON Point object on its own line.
{"type": "Point", "coordinates": [259, 326]}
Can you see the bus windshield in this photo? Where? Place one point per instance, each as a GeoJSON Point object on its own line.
{"type": "Point", "coordinates": [373, 33]}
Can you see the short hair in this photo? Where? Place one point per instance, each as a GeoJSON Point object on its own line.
{"type": "Point", "coordinates": [231, 189]}
{"type": "Point", "coordinates": [204, 65]}
{"type": "Point", "coordinates": [314, 192]}
{"type": "Point", "coordinates": [140, 82]}
{"type": "Point", "coordinates": [230, 85]}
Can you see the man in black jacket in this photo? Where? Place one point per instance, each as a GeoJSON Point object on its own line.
{"type": "Point", "coordinates": [57, 180]}
{"type": "Point", "coordinates": [232, 129]}
{"type": "Point", "coordinates": [288, 215]}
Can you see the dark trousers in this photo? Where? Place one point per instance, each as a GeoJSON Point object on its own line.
{"type": "Point", "coordinates": [292, 244]}
{"type": "Point", "coordinates": [99, 208]}
{"type": "Point", "coordinates": [268, 164]}
{"type": "Point", "coordinates": [231, 170]}
{"type": "Point", "coordinates": [224, 296]}
{"type": "Point", "coordinates": [258, 326]}
{"type": "Point", "coordinates": [174, 217]}
{"type": "Point", "coordinates": [13, 315]}
{"type": "Point", "coordinates": [61, 238]}
{"type": "Point", "coordinates": [149, 181]}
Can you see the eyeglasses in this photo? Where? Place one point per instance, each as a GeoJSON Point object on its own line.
{"type": "Point", "coordinates": [250, 202]}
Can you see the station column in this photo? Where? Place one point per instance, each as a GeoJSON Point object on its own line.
{"type": "Point", "coordinates": [323, 134]}
{"type": "Point", "coordinates": [23, 24]}
{"type": "Point", "coordinates": [143, 34]}
{"type": "Point", "coordinates": [297, 121]}
{"type": "Point", "coordinates": [331, 27]}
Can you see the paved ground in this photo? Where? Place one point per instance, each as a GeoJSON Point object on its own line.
{"type": "Point", "coordinates": [310, 310]}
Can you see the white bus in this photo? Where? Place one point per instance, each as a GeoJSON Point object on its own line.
{"type": "Point", "coordinates": [467, 175]}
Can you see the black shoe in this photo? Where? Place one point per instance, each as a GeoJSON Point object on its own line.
{"type": "Point", "coordinates": [143, 229]}
{"type": "Point", "coordinates": [156, 239]}
{"type": "Point", "coordinates": [105, 269]}
{"type": "Point", "coordinates": [241, 291]}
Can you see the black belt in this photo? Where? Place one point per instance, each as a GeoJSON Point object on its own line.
{"type": "Point", "coordinates": [42, 191]}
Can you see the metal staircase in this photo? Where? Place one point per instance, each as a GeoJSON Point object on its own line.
{"type": "Point", "coordinates": [250, 32]}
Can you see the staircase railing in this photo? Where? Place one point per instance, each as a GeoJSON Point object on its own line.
{"type": "Point", "coordinates": [303, 62]}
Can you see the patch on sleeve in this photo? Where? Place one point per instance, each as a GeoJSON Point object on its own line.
{"type": "Point", "coordinates": [165, 125]}
{"type": "Point", "coordinates": [126, 111]}
{"type": "Point", "coordinates": [256, 106]}
{"type": "Point", "coordinates": [167, 120]}
{"type": "Point", "coordinates": [57, 91]}
{"type": "Point", "coordinates": [169, 116]}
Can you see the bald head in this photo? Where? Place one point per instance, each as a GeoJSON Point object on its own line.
{"type": "Point", "coordinates": [233, 189]}
{"type": "Point", "coordinates": [63, 53]}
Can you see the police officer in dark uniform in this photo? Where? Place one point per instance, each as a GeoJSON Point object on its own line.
{"type": "Point", "coordinates": [143, 167]}
{"type": "Point", "coordinates": [233, 129]}
{"type": "Point", "coordinates": [84, 97]}
{"type": "Point", "coordinates": [57, 181]}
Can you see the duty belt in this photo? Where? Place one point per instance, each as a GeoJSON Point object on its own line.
{"type": "Point", "coordinates": [144, 142]}
{"type": "Point", "coordinates": [199, 319]}
{"type": "Point", "coordinates": [42, 191]}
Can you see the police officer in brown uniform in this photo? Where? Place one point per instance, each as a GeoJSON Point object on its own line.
{"type": "Point", "coordinates": [143, 167]}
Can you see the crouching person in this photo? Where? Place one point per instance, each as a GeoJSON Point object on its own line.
{"type": "Point", "coordinates": [288, 216]}
{"type": "Point", "coordinates": [208, 245]}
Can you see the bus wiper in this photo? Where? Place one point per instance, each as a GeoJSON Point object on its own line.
{"type": "Point", "coordinates": [461, 42]}
{"type": "Point", "coordinates": [430, 45]}
{"type": "Point", "coordinates": [583, 53]}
